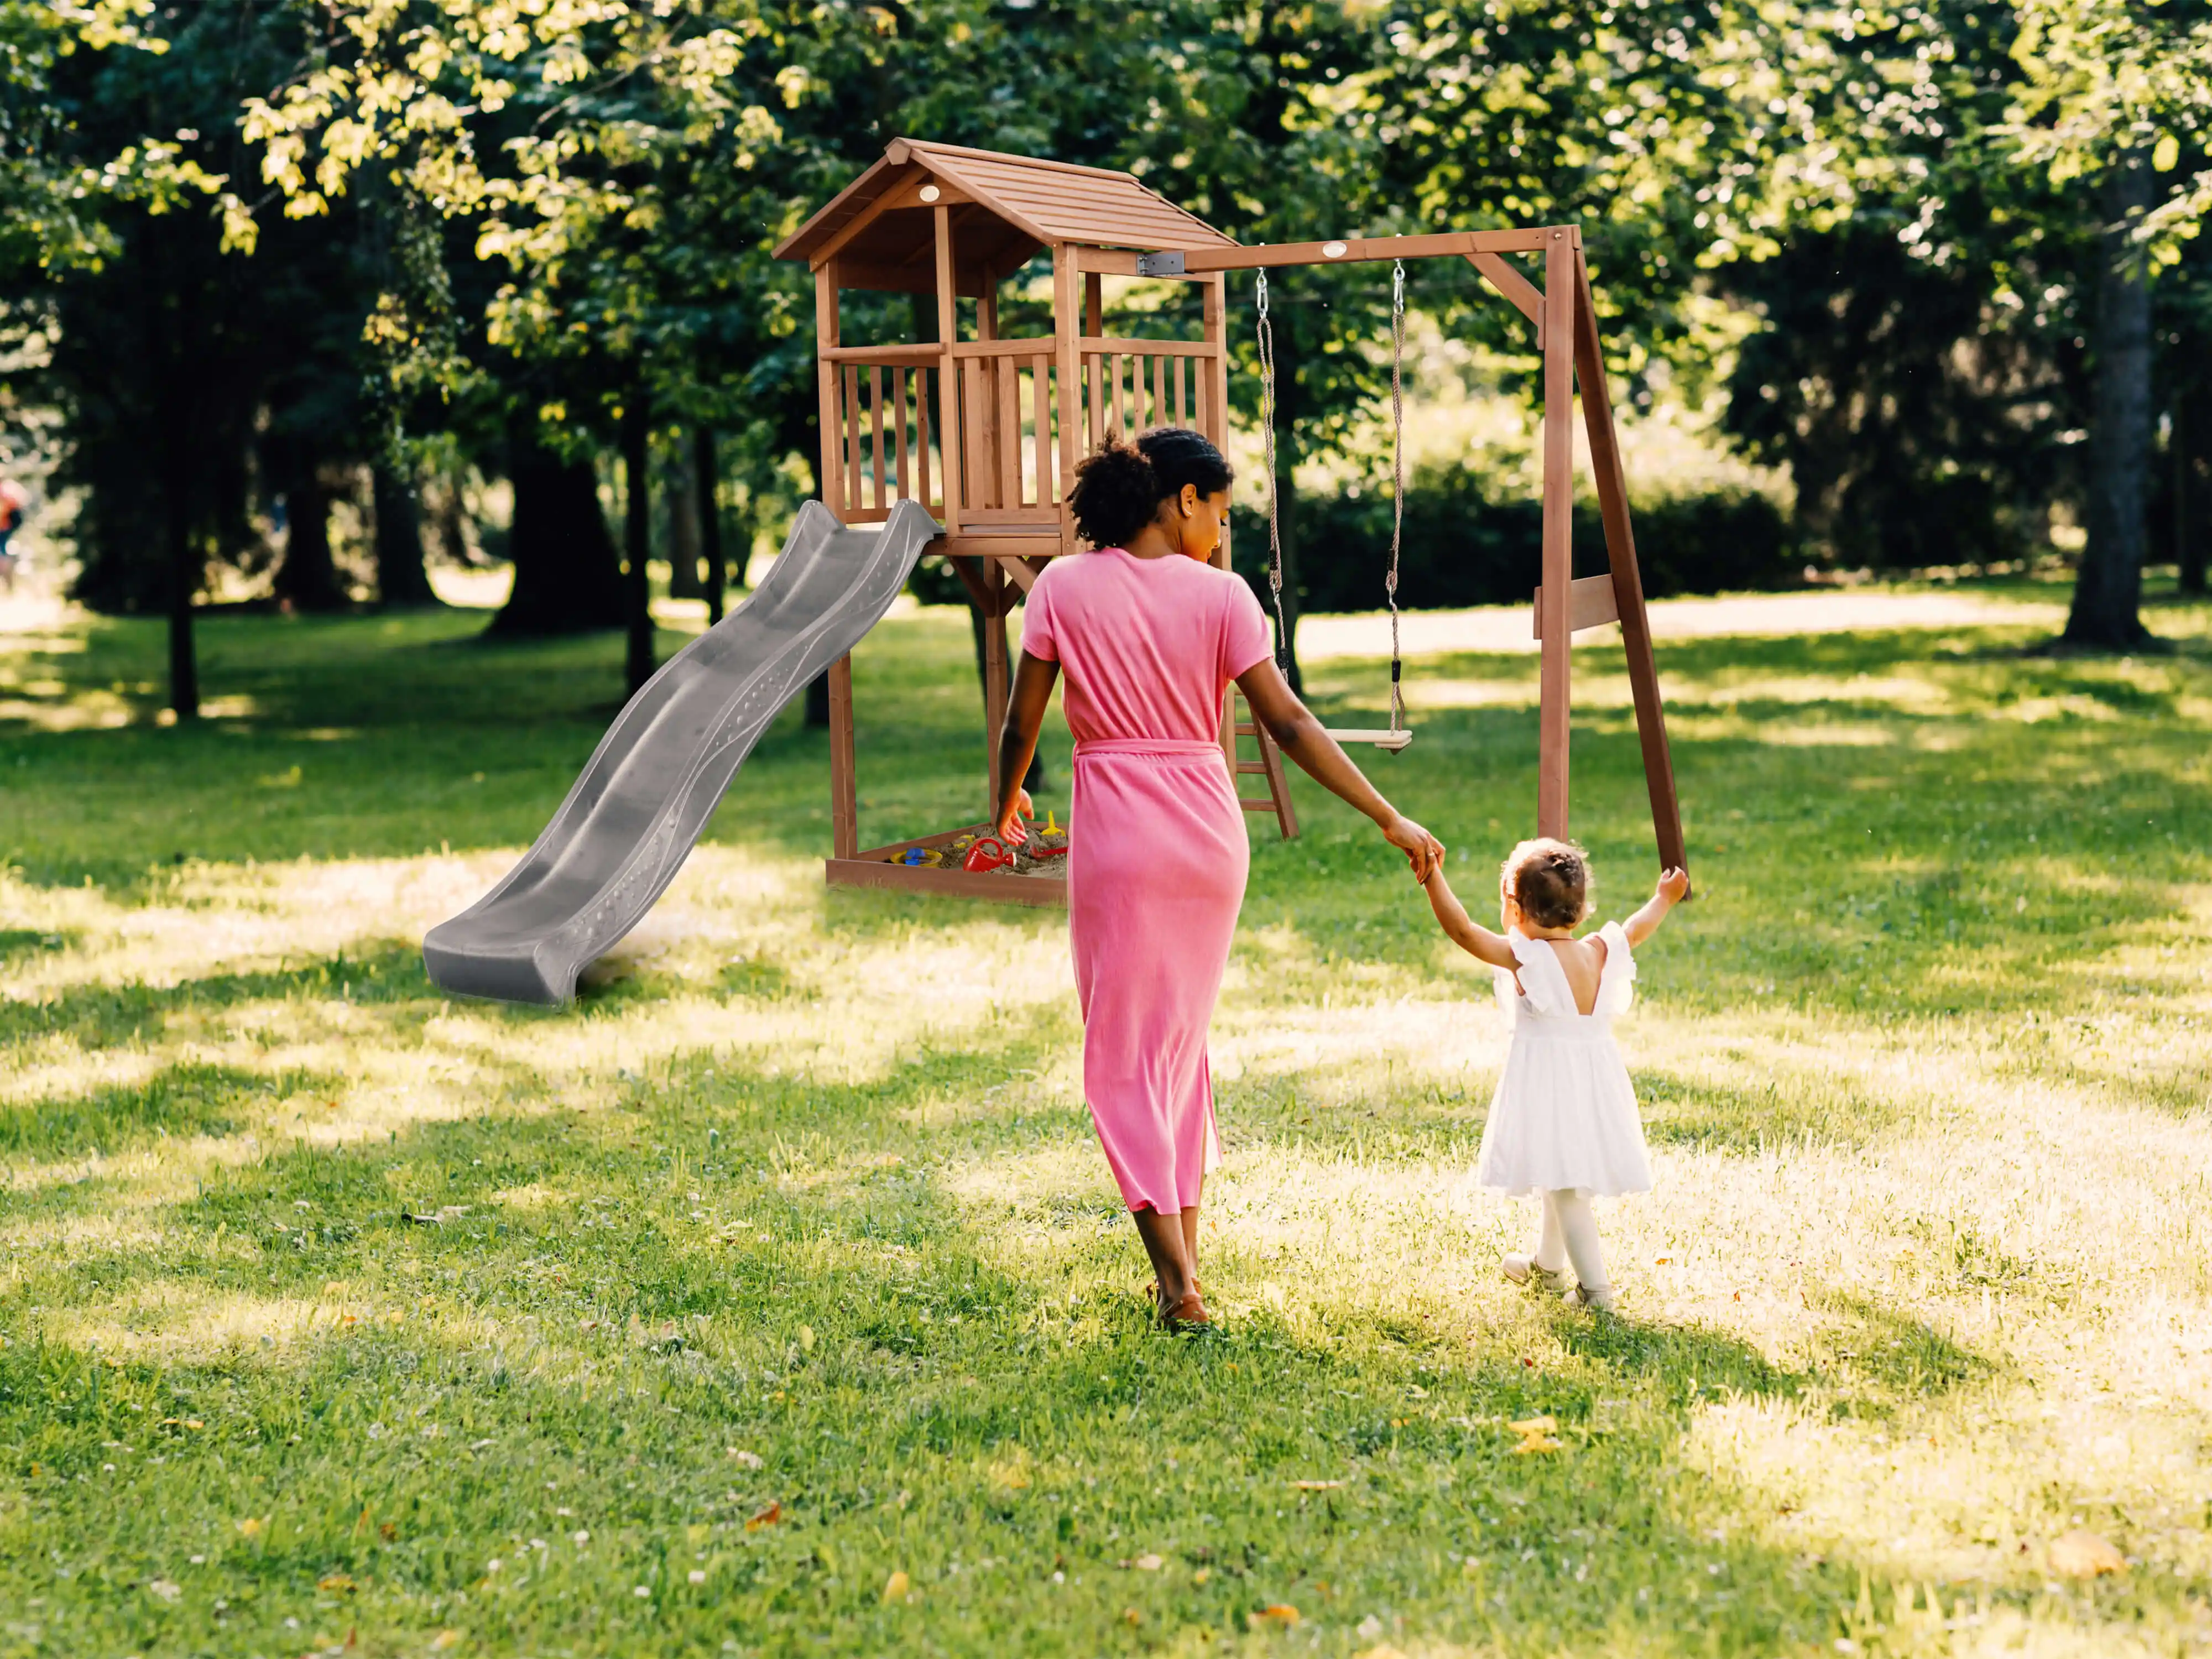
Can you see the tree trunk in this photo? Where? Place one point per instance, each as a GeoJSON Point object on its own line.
{"type": "Point", "coordinates": [185, 573]}
{"type": "Point", "coordinates": [568, 579]}
{"type": "Point", "coordinates": [707, 474]}
{"type": "Point", "coordinates": [2108, 592]}
{"type": "Point", "coordinates": [637, 537]}
{"type": "Point", "coordinates": [1286, 499]}
{"type": "Point", "coordinates": [680, 490]}
{"type": "Point", "coordinates": [308, 579]}
{"type": "Point", "coordinates": [401, 579]}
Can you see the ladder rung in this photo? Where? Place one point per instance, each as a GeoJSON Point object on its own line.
{"type": "Point", "coordinates": [1251, 766]}
{"type": "Point", "coordinates": [1243, 731]}
{"type": "Point", "coordinates": [1264, 804]}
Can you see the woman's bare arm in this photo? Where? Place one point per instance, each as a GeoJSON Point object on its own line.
{"type": "Point", "coordinates": [1034, 678]}
{"type": "Point", "coordinates": [1299, 735]}
{"type": "Point", "coordinates": [1470, 935]}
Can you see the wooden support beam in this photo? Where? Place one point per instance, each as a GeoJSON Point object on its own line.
{"type": "Point", "coordinates": [948, 374]}
{"type": "Point", "coordinates": [1554, 677]}
{"type": "Point", "coordinates": [825, 373]}
{"type": "Point", "coordinates": [1525, 296]}
{"type": "Point", "coordinates": [844, 789]}
{"type": "Point", "coordinates": [1068, 378]}
{"type": "Point", "coordinates": [1592, 602]}
{"type": "Point", "coordinates": [994, 676]}
{"type": "Point", "coordinates": [1353, 250]}
{"type": "Point", "coordinates": [1627, 580]}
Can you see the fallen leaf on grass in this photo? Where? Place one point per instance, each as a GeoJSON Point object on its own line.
{"type": "Point", "coordinates": [1202, 1575]}
{"type": "Point", "coordinates": [897, 1586]}
{"type": "Point", "coordinates": [2082, 1554]}
{"type": "Point", "coordinates": [1535, 1426]}
{"type": "Point", "coordinates": [446, 1639]}
{"type": "Point", "coordinates": [251, 1526]}
{"type": "Point", "coordinates": [1146, 1564]}
{"type": "Point", "coordinates": [335, 1582]}
{"type": "Point", "coordinates": [1279, 1614]}
{"type": "Point", "coordinates": [1316, 1486]}
{"type": "Point", "coordinates": [767, 1517]}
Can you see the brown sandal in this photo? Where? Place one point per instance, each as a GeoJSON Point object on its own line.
{"type": "Point", "coordinates": [1188, 1314]}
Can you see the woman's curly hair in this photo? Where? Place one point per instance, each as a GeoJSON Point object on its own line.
{"type": "Point", "coordinates": [1549, 880]}
{"type": "Point", "coordinates": [1119, 487]}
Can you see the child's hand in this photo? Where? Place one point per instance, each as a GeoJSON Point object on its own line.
{"type": "Point", "coordinates": [1673, 885]}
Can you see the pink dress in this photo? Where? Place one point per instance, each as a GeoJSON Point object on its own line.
{"type": "Point", "coordinates": [1157, 854]}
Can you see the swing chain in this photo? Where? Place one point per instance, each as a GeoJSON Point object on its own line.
{"type": "Point", "coordinates": [1267, 343]}
{"type": "Point", "coordinates": [1397, 479]}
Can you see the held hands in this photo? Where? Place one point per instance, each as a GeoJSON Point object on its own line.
{"type": "Point", "coordinates": [1423, 851]}
{"type": "Point", "coordinates": [1016, 807]}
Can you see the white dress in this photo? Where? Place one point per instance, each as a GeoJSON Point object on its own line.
{"type": "Point", "coordinates": [1565, 1115]}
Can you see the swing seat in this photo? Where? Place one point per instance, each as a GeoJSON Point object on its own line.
{"type": "Point", "coordinates": [1381, 737]}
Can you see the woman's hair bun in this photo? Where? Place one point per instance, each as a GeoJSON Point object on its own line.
{"type": "Point", "coordinates": [1119, 487]}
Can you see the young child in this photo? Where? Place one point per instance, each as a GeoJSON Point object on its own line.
{"type": "Point", "coordinates": [1564, 1123]}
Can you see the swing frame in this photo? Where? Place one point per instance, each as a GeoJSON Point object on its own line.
{"type": "Point", "coordinates": [1565, 320]}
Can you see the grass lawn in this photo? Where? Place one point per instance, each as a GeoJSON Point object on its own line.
{"type": "Point", "coordinates": [776, 1299]}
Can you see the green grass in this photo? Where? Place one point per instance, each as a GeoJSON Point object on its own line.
{"type": "Point", "coordinates": [339, 1316]}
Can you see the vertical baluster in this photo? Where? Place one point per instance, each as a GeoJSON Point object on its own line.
{"type": "Point", "coordinates": [1176, 367]}
{"type": "Point", "coordinates": [1040, 398]}
{"type": "Point", "coordinates": [876, 411]}
{"type": "Point", "coordinates": [1010, 431]}
{"type": "Point", "coordinates": [1159, 391]}
{"type": "Point", "coordinates": [1094, 375]}
{"type": "Point", "coordinates": [1120, 412]}
{"type": "Point", "coordinates": [853, 496]}
{"type": "Point", "coordinates": [899, 380]}
{"type": "Point", "coordinates": [921, 437]}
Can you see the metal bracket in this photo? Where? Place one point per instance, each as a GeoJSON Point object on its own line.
{"type": "Point", "coordinates": [1160, 265]}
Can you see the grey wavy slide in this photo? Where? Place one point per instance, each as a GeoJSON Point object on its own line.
{"type": "Point", "coordinates": [650, 787]}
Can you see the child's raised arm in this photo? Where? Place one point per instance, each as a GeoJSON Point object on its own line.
{"type": "Point", "coordinates": [1673, 884]}
{"type": "Point", "coordinates": [1466, 933]}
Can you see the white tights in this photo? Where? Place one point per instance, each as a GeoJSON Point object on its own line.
{"type": "Point", "coordinates": [1569, 1234]}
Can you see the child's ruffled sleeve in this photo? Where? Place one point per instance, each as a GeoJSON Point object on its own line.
{"type": "Point", "coordinates": [1617, 985]}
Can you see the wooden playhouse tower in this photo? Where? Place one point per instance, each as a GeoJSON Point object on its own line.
{"type": "Point", "coordinates": [985, 431]}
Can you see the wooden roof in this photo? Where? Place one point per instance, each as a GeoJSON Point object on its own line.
{"type": "Point", "coordinates": [1006, 209]}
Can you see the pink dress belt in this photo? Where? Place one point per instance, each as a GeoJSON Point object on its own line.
{"type": "Point", "coordinates": [1176, 746]}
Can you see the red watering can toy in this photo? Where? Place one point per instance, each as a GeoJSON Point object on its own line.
{"type": "Point", "coordinates": [988, 853]}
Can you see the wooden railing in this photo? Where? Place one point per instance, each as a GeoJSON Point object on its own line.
{"type": "Point", "coordinates": [1007, 412]}
{"type": "Point", "coordinates": [886, 401]}
{"type": "Point", "coordinates": [1009, 435]}
{"type": "Point", "coordinates": [1130, 384]}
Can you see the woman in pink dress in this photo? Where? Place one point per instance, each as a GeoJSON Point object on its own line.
{"type": "Point", "coordinates": [1149, 635]}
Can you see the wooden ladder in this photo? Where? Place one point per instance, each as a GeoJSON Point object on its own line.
{"type": "Point", "coordinates": [1236, 722]}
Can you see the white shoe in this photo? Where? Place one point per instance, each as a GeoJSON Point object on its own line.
{"type": "Point", "coordinates": [1583, 1297]}
{"type": "Point", "coordinates": [1521, 1268]}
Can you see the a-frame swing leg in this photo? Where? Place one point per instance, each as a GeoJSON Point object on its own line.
{"type": "Point", "coordinates": [1560, 260]}
{"type": "Point", "coordinates": [1627, 578]}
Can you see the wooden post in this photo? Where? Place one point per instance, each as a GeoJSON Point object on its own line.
{"type": "Point", "coordinates": [1554, 677]}
{"type": "Point", "coordinates": [1627, 578]}
{"type": "Point", "coordinates": [826, 339]}
{"type": "Point", "coordinates": [948, 374]}
{"type": "Point", "coordinates": [1214, 419]}
{"type": "Point", "coordinates": [1066, 327]}
{"type": "Point", "coordinates": [844, 798]}
{"type": "Point", "coordinates": [994, 672]}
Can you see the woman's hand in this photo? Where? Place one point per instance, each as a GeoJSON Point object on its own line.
{"type": "Point", "coordinates": [1010, 815]}
{"type": "Point", "coordinates": [1423, 851]}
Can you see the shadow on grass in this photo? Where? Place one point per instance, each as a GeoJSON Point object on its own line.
{"type": "Point", "coordinates": [95, 1016]}
{"type": "Point", "coordinates": [191, 1098]}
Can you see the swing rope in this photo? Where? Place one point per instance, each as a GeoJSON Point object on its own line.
{"type": "Point", "coordinates": [1275, 524]}
{"type": "Point", "coordinates": [1397, 735]}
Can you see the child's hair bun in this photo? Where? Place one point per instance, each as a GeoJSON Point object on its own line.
{"type": "Point", "coordinates": [1549, 880]}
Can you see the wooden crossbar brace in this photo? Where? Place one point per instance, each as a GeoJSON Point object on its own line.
{"type": "Point", "coordinates": [1566, 330]}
